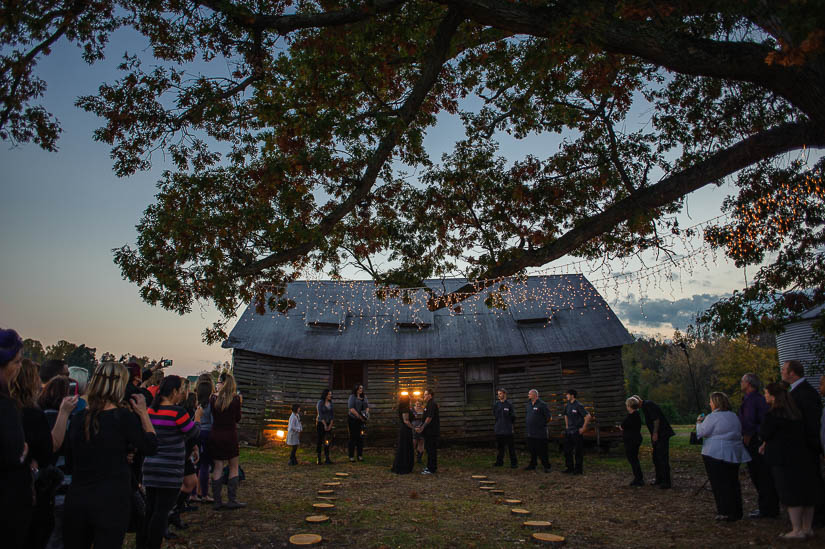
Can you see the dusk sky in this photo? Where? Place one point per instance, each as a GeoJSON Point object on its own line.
{"type": "Point", "coordinates": [62, 213]}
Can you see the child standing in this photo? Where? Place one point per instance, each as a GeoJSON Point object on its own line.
{"type": "Point", "coordinates": [293, 434]}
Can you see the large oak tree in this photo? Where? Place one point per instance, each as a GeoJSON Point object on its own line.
{"type": "Point", "coordinates": [309, 151]}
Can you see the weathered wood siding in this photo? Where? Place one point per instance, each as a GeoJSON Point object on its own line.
{"type": "Point", "coordinates": [270, 386]}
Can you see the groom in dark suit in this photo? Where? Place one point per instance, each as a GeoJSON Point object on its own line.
{"type": "Point", "coordinates": [809, 403]}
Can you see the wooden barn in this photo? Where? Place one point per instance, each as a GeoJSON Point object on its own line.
{"type": "Point", "coordinates": [544, 332]}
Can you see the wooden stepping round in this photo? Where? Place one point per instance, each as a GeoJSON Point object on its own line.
{"type": "Point", "coordinates": [303, 540]}
{"type": "Point", "coordinates": [537, 524]}
{"type": "Point", "coordinates": [519, 511]}
{"type": "Point", "coordinates": [325, 492]}
{"type": "Point", "coordinates": [547, 539]}
{"type": "Point", "coordinates": [341, 474]}
{"type": "Point", "coordinates": [486, 488]}
{"type": "Point", "coordinates": [497, 492]}
{"type": "Point", "coordinates": [490, 482]}
{"type": "Point", "coordinates": [336, 483]}
{"type": "Point", "coordinates": [317, 518]}
{"type": "Point", "coordinates": [323, 506]}
{"type": "Point", "coordinates": [512, 501]}
{"type": "Point", "coordinates": [479, 477]}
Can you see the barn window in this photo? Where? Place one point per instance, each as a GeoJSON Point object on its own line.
{"type": "Point", "coordinates": [478, 379]}
{"type": "Point", "coordinates": [346, 374]}
{"type": "Point", "coordinates": [575, 364]}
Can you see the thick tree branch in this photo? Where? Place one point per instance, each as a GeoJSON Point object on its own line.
{"type": "Point", "coordinates": [679, 52]}
{"type": "Point", "coordinates": [283, 24]}
{"type": "Point", "coordinates": [753, 149]}
{"type": "Point", "coordinates": [433, 63]}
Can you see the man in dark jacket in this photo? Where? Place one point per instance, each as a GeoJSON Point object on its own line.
{"type": "Point", "coordinates": [751, 415]}
{"type": "Point", "coordinates": [660, 433]}
{"type": "Point", "coordinates": [809, 403]}
{"type": "Point", "coordinates": [431, 429]}
{"type": "Point", "coordinates": [538, 414]}
{"type": "Point", "coordinates": [576, 419]}
{"type": "Point", "coordinates": [505, 418]}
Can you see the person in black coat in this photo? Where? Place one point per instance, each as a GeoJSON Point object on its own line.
{"type": "Point", "coordinates": [431, 429]}
{"type": "Point", "coordinates": [809, 403]}
{"type": "Point", "coordinates": [404, 453]}
{"type": "Point", "coordinates": [15, 479]}
{"type": "Point", "coordinates": [536, 418]}
{"type": "Point", "coordinates": [632, 436]}
{"type": "Point", "coordinates": [786, 451]}
{"type": "Point", "coordinates": [505, 418]}
{"type": "Point", "coordinates": [660, 433]}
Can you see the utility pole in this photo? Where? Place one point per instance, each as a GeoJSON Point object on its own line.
{"type": "Point", "coordinates": [682, 346]}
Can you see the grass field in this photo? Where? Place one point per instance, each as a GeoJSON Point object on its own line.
{"type": "Point", "coordinates": [377, 509]}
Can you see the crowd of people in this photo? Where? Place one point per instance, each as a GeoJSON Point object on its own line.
{"type": "Point", "coordinates": [86, 459]}
{"type": "Point", "coordinates": [74, 448]}
{"type": "Point", "coordinates": [779, 433]}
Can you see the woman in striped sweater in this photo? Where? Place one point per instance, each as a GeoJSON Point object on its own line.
{"type": "Point", "coordinates": [163, 472]}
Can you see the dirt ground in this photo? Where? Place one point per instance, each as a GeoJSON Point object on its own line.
{"type": "Point", "coordinates": [377, 509]}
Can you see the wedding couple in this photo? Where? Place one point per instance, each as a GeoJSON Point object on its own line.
{"type": "Point", "coordinates": [429, 429]}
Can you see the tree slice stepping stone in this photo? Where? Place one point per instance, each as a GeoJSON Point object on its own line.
{"type": "Point", "coordinates": [537, 524]}
{"type": "Point", "coordinates": [479, 477]}
{"type": "Point", "coordinates": [512, 501]}
{"type": "Point", "coordinates": [317, 518]}
{"type": "Point", "coordinates": [487, 482]}
{"type": "Point", "coordinates": [336, 483]}
{"type": "Point", "coordinates": [341, 474]}
{"type": "Point", "coordinates": [486, 487]}
{"type": "Point", "coordinates": [325, 492]}
{"type": "Point", "coordinates": [323, 506]}
{"type": "Point", "coordinates": [519, 511]}
{"type": "Point", "coordinates": [303, 540]}
{"type": "Point", "coordinates": [497, 492]}
{"type": "Point", "coordinates": [544, 538]}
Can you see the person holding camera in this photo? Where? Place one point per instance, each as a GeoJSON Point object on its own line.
{"type": "Point", "coordinates": [723, 452]}
{"type": "Point", "coordinates": [358, 412]}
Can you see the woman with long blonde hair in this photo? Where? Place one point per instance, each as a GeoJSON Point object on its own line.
{"type": "Point", "coordinates": [223, 441]}
{"type": "Point", "coordinates": [100, 437]}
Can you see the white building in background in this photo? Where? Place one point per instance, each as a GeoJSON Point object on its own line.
{"type": "Point", "coordinates": [798, 341]}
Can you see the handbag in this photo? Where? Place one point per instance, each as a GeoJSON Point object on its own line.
{"type": "Point", "coordinates": [695, 439]}
{"type": "Point", "coordinates": [137, 516]}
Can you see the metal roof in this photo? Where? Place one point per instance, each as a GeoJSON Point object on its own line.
{"type": "Point", "coordinates": [396, 325]}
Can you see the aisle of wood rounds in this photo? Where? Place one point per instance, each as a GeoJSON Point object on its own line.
{"type": "Point", "coordinates": [322, 508]}
{"type": "Point", "coordinates": [544, 538]}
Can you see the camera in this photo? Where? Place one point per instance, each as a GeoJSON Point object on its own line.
{"type": "Point", "coordinates": [166, 362]}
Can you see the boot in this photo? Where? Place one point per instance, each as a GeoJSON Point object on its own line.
{"type": "Point", "coordinates": [174, 520]}
{"type": "Point", "coordinates": [319, 462]}
{"type": "Point", "coordinates": [217, 488]}
{"type": "Point", "coordinates": [232, 490]}
{"type": "Point", "coordinates": [327, 461]}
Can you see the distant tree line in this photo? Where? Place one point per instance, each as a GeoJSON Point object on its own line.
{"type": "Point", "coordinates": [76, 355]}
{"type": "Point", "coordinates": [681, 379]}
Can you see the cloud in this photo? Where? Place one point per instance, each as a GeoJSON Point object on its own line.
{"type": "Point", "coordinates": [657, 312]}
